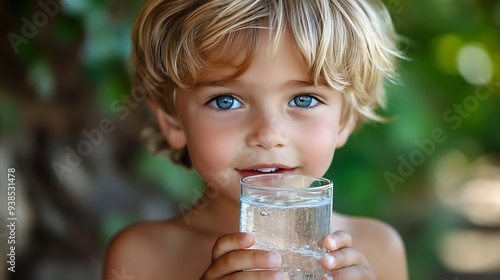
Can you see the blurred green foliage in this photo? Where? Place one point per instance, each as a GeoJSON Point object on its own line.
{"type": "Point", "coordinates": [430, 84]}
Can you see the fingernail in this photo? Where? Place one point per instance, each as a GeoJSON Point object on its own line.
{"type": "Point", "coordinates": [329, 260]}
{"type": "Point", "coordinates": [327, 277]}
{"type": "Point", "coordinates": [274, 258]}
{"type": "Point", "coordinates": [332, 242]}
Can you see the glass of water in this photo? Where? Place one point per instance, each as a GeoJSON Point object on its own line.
{"type": "Point", "coordinates": [289, 214]}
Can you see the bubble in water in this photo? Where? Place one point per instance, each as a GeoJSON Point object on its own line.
{"type": "Point", "coordinates": [264, 214]}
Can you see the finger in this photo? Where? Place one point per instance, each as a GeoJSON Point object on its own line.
{"type": "Point", "coordinates": [231, 242]}
{"type": "Point", "coordinates": [259, 275]}
{"type": "Point", "coordinates": [344, 257]}
{"type": "Point", "coordinates": [357, 272]}
{"type": "Point", "coordinates": [239, 260]}
{"type": "Point", "coordinates": [337, 240]}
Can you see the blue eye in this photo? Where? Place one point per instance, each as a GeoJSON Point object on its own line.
{"type": "Point", "coordinates": [303, 101]}
{"type": "Point", "coordinates": [224, 102]}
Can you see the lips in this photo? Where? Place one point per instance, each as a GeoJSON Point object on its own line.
{"type": "Point", "coordinates": [265, 169]}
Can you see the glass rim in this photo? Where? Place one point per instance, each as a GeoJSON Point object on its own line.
{"type": "Point", "coordinates": [327, 183]}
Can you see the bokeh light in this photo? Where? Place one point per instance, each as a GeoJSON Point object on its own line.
{"type": "Point", "coordinates": [480, 201]}
{"type": "Point", "coordinates": [471, 251]}
{"type": "Point", "coordinates": [474, 64]}
{"type": "Point", "coordinates": [447, 48]}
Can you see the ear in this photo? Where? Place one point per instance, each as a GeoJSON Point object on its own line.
{"type": "Point", "coordinates": [170, 127]}
{"type": "Point", "coordinates": [345, 132]}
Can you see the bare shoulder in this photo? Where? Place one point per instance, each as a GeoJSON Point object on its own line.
{"type": "Point", "coordinates": [150, 250]}
{"type": "Point", "coordinates": [367, 230]}
{"type": "Point", "coordinates": [379, 242]}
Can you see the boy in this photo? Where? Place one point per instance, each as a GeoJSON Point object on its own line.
{"type": "Point", "coordinates": [249, 87]}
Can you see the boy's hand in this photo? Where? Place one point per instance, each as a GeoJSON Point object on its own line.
{"type": "Point", "coordinates": [230, 259]}
{"type": "Point", "coordinates": [343, 261]}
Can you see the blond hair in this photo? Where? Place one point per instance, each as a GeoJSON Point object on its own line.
{"type": "Point", "coordinates": [348, 45]}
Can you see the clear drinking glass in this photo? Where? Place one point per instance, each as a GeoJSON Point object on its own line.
{"type": "Point", "coordinates": [289, 214]}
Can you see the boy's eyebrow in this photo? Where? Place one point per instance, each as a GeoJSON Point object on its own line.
{"type": "Point", "coordinates": [219, 83]}
{"type": "Point", "coordinates": [237, 83]}
{"type": "Point", "coordinates": [297, 84]}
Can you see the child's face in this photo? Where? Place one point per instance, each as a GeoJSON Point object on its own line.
{"type": "Point", "coordinates": [268, 119]}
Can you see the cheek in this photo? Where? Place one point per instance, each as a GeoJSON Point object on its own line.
{"type": "Point", "coordinates": [210, 147]}
{"type": "Point", "coordinates": [212, 153]}
{"type": "Point", "coordinates": [318, 142]}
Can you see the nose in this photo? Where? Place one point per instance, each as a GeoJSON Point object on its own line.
{"type": "Point", "coordinates": [268, 131]}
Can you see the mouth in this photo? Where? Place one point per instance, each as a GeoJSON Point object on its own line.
{"type": "Point", "coordinates": [267, 169]}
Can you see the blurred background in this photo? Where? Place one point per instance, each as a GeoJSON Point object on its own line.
{"type": "Point", "coordinates": [70, 127]}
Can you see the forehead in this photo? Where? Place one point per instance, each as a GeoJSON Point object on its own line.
{"type": "Point", "coordinates": [267, 60]}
